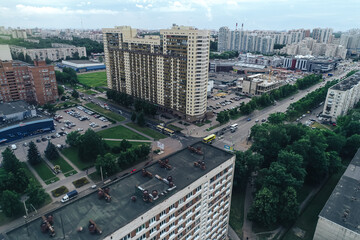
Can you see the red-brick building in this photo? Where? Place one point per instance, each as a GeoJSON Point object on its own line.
{"type": "Point", "coordinates": [21, 81]}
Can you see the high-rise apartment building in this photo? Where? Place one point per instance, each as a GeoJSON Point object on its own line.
{"type": "Point", "coordinates": [21, 81]}
{"type": "Point", "coordinates": [170, 70]}
{"type": "Point", "coordinates": [186, 195]}
{"type": "Point", "coordinates": [224, 39]}
{"type": "Point", "coordinates": [322, 35]}
{"type": "Point", "coordinates": [342, 97]}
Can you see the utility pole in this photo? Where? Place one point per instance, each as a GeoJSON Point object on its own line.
{"type": "Point", "coordinates": [102, 178]}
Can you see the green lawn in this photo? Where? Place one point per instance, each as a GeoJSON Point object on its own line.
{"type": "Point", "coordinates": [71, 153]}
{"type": "Point", "coordinates": [121, 132]}
{"type": "Point", "coordinates": [105, 112]}
{"type": "Point", "coordinates": [117, 143]}
{"type": "Point", "coordinates": [147, 131]}
{"type": "Point", "coordinates": [87, 91]}
{"type": "Point", "coordinates": [43, 171]}
{"type": "Point", "coordinates": [95, 177]}
{"type": "Point", "coordinates": [64, 166]}
{"type": "Point", "coordinates": [308, 219]}
{"type": "Point", "coordinates": [95, 79]}
{"type": "Point", "coordinates": [237, 210]}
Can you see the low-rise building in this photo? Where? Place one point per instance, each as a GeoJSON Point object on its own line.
{"type": "Point", "coordinates": [54, 54]}
{"type": "Point", "coordinates": [340, 217]}
{"type": "Point", "coordinates": [5, 54]}
{"type": "Point", "coordinates": [259, 84]}
{"type": "Point", "coordinates": [342, 97]}
{"type": "Point", "coordinates": [82, 65]}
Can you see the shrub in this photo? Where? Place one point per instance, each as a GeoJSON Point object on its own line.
{"type": "Point", "coordinates": [80, 182]}
{"type": "Point", "coordinates": [59, 191]}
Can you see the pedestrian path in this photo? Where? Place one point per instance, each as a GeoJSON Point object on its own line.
{"type": "Point", "coordinates": [129, 140]}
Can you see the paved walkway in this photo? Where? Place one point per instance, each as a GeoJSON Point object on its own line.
{"type": "Point", "coordinates": [247, 227]}
{"type": "Point", "coordinates": [232, 234]}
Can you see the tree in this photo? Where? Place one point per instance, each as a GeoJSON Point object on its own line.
{"type": "Point", "coordinates": [109, 164]}
{"type": "Point", "coordinates": [51, 152]}
{"type": "Point", "coordinates": [75, 94]}
{"type": "Point", "coordinates": [125, 145]}
{"type": "Point", "coordinates": [36, 194]}
{"type": "Point", "coordinates": [288, 206]}
{"type": "Point", "coordinates": [47, 60]}
{"type": "Point", "coordinates": [222, 117]}
{"type": "Point", "coordinates": [101, 59]}
{"type": "Point", "coordinates": [60, 90]}
{"type": "Point", "coordinates": [141, 119]}
{"type": "Point", "coordinates": [264, 208]}
{"type": "Point", "coordinates": [21, 57]}
{"type": "Point", "coordinates": [10, 162]}
{"type": "Point", "coordinates": [133, 117]}
{"type": "Point", "coordinates": [351, 146]}
{"type": "Point", "coordinates": [90, 146]}
{"type": "Point", "coordinates": [334, 162]}
{"type": "Point", "coordinates": [20, 181]}
{"type": "Point", "coordinates": [246, 163]}
{"type": "Point", "coordinates": [73, 138]}
{"type": "Point", "coordinates": [293, 163]}
{"type": "Point", "coordinates": [10, 203]}
{"type": "Point", "coordinates": [276, 118]}
{"type": "Point", "coordinates": [28, 59]}
{"type": "Point", "coordinates": [33, 154]}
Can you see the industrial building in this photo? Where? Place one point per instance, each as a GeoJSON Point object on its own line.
{"type": "Point", "coordinates": [186, 195]}
{"type": "Point", "coordinates": [340, 217]}
{"type": "Point", "coordinates": [32, 83]}
{"type": "Point", "coordinates": [15, 111]}
{"type": "Point", "coordinates": [170, 70]}
{"type": "Point", "coordinates": [24, 129]}
{"type": "Point", "coordinates": [82, 65]}
{"type": "Point", "coordinates": [310, 63]}
{"type": "Point", "coordinates": [342, 97]}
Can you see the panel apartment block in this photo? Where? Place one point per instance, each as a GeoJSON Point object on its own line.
{"type": "Point", "coordinates": [170, 70]}
{"type": "Point", "coordinates": [21, 81]}
{"type": "Point", "coordinates": [342, 97]}
{"type": "Point", "coordinates": [340, 217]}
{"type": "Point", "coordinates": [185, 196]}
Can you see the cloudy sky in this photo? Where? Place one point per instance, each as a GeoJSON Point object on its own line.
{"type": "Point", "coordinates": [155, 14]}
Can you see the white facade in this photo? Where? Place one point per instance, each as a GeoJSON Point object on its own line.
{"type": "Point", "coordinates": [53, 54]}
{"type": "Point", "coordinates": [5, 54]}
{"type": "Point", "coordinates": [329, 230]}
{"type": "Point", "coordinates": [342, 97]}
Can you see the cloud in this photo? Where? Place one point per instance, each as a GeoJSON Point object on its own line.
{"type": "Point", "coordinates": [31, 10]}
{"type": "Point", "coordinates": [177, 7]}
{"type": "Point", "coordinates": [139, 5]}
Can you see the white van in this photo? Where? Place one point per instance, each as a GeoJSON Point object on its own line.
{"type": "Point", "coordinates": [234, 126]}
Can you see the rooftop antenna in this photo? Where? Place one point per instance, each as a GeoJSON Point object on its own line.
{"type": "Point", "coordinates": [242, 26]}
{"type": "Point", "coordinates": [236, 26]}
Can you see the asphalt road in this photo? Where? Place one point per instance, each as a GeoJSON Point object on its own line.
{"type": "Point", "coordinates": [244, 126]}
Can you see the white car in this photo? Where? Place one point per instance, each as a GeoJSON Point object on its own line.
{"type": "Point", "coordinates": [13, 147]}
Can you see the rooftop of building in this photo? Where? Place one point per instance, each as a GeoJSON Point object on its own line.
{"type": "Point", "coordinates": [80, 62]}
{"type": "Point", "coordinates": [343, 206]}
{"type": "Point", "coordinates": [13, 107]}
{"type": "Point", "coordinates": [121, 210]}
{"type": "Point", "coordinates": [223, 76]}
{"type": "Point", "coordinates": [347, 83]}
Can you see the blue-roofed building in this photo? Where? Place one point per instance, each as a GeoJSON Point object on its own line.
{"type": "Point", "coordinates": [82, 65]}
{"type": "Point", "coordinates": [27, 128]}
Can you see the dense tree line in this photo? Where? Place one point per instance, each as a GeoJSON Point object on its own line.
{"type": "Point", "coordinates": [14, 182]}
{"type": "Point", "coordinates": [279, 46]}
{"type": "Point", "coordinates": [285, 156]}
{"type": "Point", "coordinates": [67, 76]}
{"type": "Point", "coordinates": [120, 98]}
{"type": "Point", "coordinates": [308, 102]}
{"type": "Point", "coordinates": [224, 55]}
{"type": "Point", "coordinates": [308, 81]}
{"type": "Point", "coordinates": [351, 73]}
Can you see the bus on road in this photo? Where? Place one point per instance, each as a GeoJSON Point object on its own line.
{"type": "Point", "coordinates": [168, 131]}
{"type": "Point", "coordinates": [209, 139]}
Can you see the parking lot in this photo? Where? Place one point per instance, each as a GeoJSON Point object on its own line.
{"type": "Point", "coordinates": [224, 101]}
{"type": "Point", "coordinates": [68, 120]}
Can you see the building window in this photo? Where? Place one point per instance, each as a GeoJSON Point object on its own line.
{"type": "Point", "coordinates": [152, 220]}
{"type": "Point", "coordinates": [139, 229]}
{"type": "Point", "coordinates": [163, 213]}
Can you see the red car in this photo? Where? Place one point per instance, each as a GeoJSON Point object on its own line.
{"type": "Point", "coordinates": [133, 170]}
